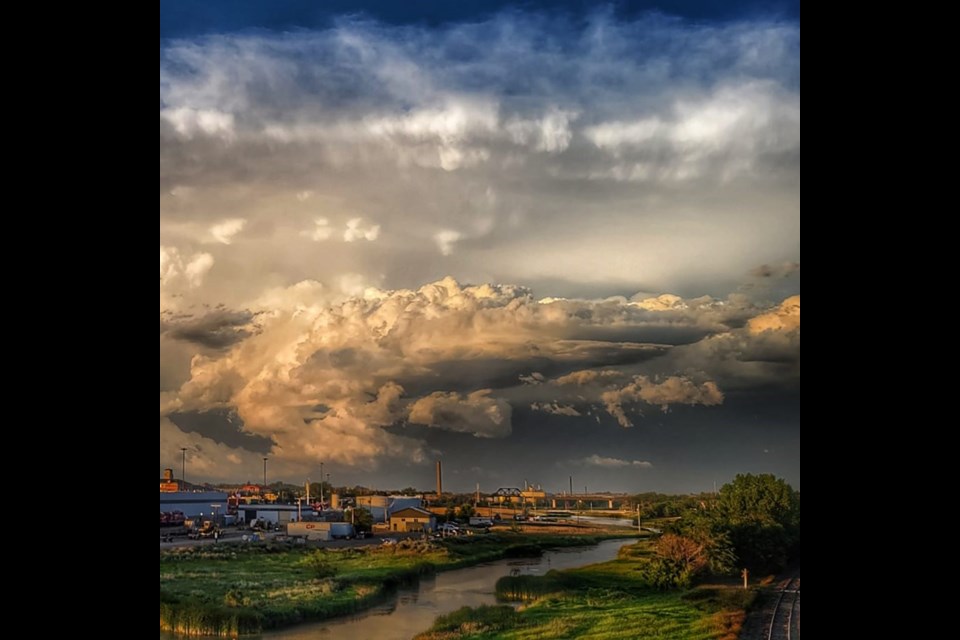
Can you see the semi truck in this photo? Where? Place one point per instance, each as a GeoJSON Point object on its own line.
{"type": "Point", "coordinates": [321, 530]}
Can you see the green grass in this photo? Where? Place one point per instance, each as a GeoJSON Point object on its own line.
{"type": "Point", "coordinates": [230, 590]}
{"type": "Point", "coordinates": [606, 601]}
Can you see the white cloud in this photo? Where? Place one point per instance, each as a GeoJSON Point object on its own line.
{"type": "Point", "coordinates": [321, 230]}
{"type": "Point", "coordinates": [354, 349]}
{"type": "Point", "coordinates": [614, 389]}
{"type": "Point", "coordinates": [177, 270]}
{"type": "Point", "coordinates": [614, 463]}
{"type": "Point", "coordinates": [191, 122]}
{"type": "Point", "coordinates": [672, 390]}
{"type": "Point", "coordinates": [445, 240]}
{"type": "Point", "coordinates": [534, 378]}
{"type": "Point", "coordinates": [786, 317]}
{"type": "Point", "coordinates": [555, 409]}
{"type": "Point", "coordinates": [355, 231]}
{"type": "Point", "coordinates": [224, 231]}
{"type": "Point", "coordinates": [551, 133]}
{"type": "Point", "coordinates": [737, 124]}
{"type": "Point", "coordinates": [476, 413]}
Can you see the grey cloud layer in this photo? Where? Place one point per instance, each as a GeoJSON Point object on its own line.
{"type": "Point", "coordinates": [509, 150]}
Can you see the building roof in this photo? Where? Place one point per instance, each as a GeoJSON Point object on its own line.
{"type": "Point", "coordinates": [412, 512]}
{"type": "Point", "coordinates": [269, 506]}
{"type": "Point", "coordinates": [180, 497]}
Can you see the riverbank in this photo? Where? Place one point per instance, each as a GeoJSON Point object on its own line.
{"type": "Point", "coordinates": [236, 590]}
{"type": "Point", "coordinates": [607, 601]}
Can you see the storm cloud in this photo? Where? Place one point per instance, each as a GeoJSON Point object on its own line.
{"type": "Point", "coordinates": [396, 242]}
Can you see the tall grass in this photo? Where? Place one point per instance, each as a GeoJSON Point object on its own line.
{"type": "Point", "coordinates": [607, 601]}
{"type": "Point", "coordinates": [230, 590]}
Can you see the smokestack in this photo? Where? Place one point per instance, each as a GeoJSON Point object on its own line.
{"type": "Point", "coordinates": [439, 480]}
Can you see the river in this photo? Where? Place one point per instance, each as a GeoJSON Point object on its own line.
{"type": "Point", "coordinates": [413, 609]}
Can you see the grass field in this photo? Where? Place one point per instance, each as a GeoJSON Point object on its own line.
{"type": "Point", "coordinates": [606, 601]}
{"type": "Point", "coordinates": [229, 590]}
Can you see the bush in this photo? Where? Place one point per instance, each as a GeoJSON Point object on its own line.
{"type": "Point", "coordinates": [320, 566]}
{"type": "Point", "coordinates": [482, 619]}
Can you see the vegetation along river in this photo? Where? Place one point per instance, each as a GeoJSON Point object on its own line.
{"type": "Point", "coordinates": [413, 609]}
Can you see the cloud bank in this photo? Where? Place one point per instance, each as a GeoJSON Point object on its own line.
{"type": "Point", "coordinates": [363, 372]}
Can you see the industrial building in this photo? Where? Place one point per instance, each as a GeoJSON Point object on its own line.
{"type": "Point", "coordinates": [412, 519]}
{"type": "Point", "coordinates": [194, 504]}
{"type": "Point", "coordinates": [381, 507]}
{"type": "Point", "coordinates": [273, 513]}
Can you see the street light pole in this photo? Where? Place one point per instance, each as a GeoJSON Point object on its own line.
{"type": "Point", "coordinates": [321, 485]}
{"type": "Point", "coordinates": [264, 472]}
{"type": "Point", "coordinates": [183, 468]}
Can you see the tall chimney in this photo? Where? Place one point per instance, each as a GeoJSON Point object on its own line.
{"type": "Point", "coordinates": [439, 480]}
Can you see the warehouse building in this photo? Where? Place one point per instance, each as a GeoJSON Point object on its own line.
{"type": "Point", "coordinates": [412, 519]}
{"type": "Point", "coordinates": [194, 504]}
{"type": "Point", "coordinates": [381, 507]}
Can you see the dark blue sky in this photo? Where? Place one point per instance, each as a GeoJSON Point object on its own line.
{"type": "Point", "coordinates": [185, 18]}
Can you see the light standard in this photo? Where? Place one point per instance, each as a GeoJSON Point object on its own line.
{"type": "Point", "coordinates": [321, 485]}
{"type": "Point", "coordinates": [183, 468]}
{"type": "Point", "coordinates": [264, 472]}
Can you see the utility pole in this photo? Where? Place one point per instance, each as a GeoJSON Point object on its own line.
{"type": "Point", "coordinates": [321, 485]}
{"type": "Point", "coordinates": [571, 485]}
{"type": "Point", "coordinates": [639, 528]}
{"type": "Point", "coordinates": [264, 472]}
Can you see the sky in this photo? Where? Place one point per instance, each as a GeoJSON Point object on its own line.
{"type": "Point", "coordinates": [531, 240]}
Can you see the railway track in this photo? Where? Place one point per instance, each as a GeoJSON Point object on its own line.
{"type": "Point", "coordinates": [785, 622]}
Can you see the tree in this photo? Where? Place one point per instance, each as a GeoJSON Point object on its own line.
{"type": "Point", "coordinates": [709, 531]}
{"type": "Point", "coordinates": [362, 519]}
{"type": "Point", "coordinates": [465, 511]}
{"type": "Point", "coordinates": [762, 499]}
{"type": "Point", "coordinates": [762, 514]}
